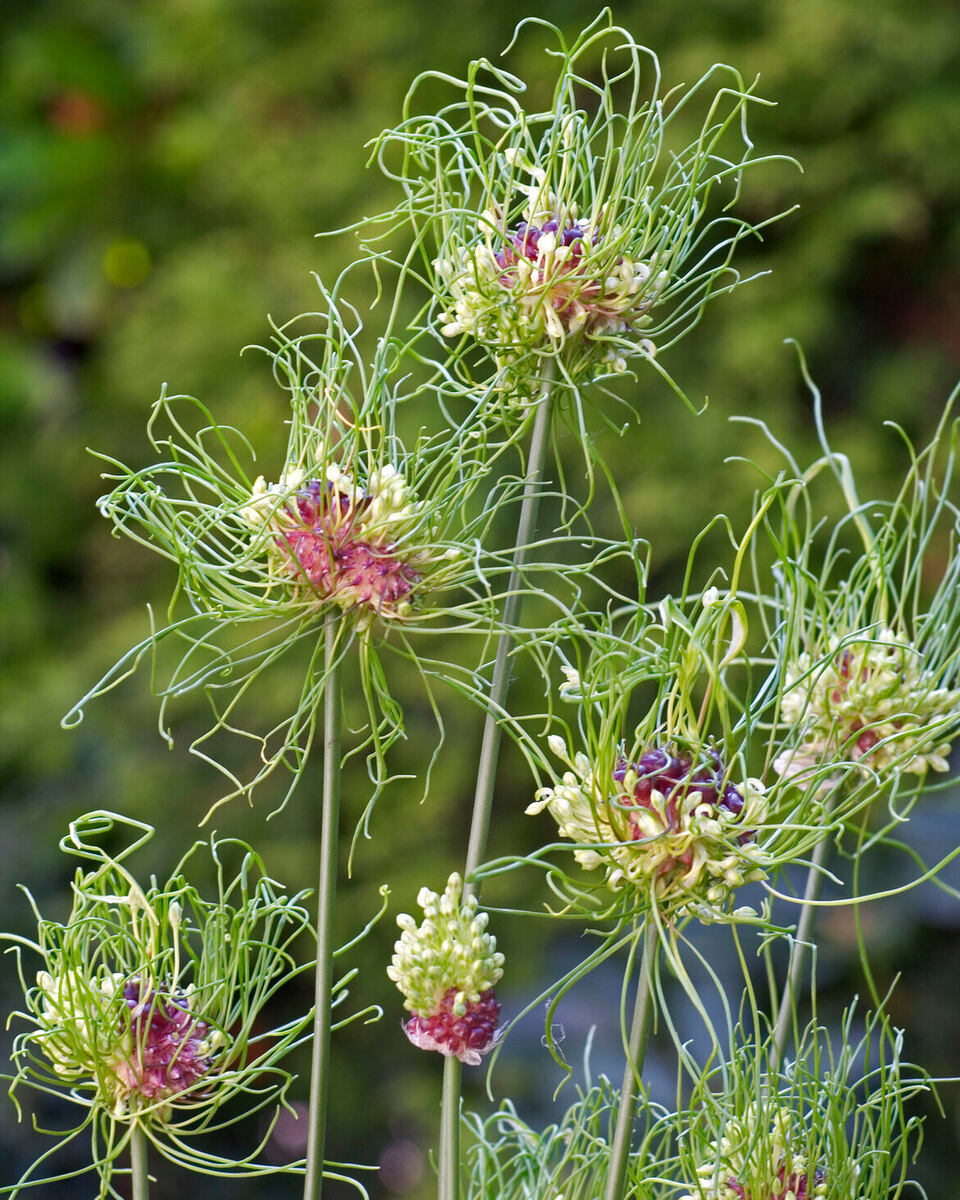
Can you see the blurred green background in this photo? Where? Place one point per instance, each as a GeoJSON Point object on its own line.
{"type": "Point", "coordinates": [164, 166]}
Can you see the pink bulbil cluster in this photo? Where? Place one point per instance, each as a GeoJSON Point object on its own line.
{"type": "Point", "coordinates": [866, 741]}
{"type": "Point", "coordinates": [324, 547]}
{"type": "Point", "coordinates": [796, 1187]}
{"type": "Point", "coordinates": [468, 1036]}
{"type": "Point", "coordinates": [168, 1048]}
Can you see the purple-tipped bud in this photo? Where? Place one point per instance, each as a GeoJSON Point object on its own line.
{"type": "Point", "coordinates": [549, 281]}
{"type": "Point", "coordinates": [675, 779]}
{"type": "Point", "coordinates": [669, 820]}
{"type": "Point", "coordinates": [446, 968]}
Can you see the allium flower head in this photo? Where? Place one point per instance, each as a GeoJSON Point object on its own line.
{"type": "Point", "coordinates": [552, 278]}
{"type": "Point", "coordinates": [446, 968]}
{"type": "Point", "coordinates": [148, 1008]}
{"type": "Point", "coordinates": [785, 1171]}
{"type": "Point", "coordinates": [142, 1046]}
{"type": "Point", "coordinates": [865, 700]}
{"type": "Point", "coordinates": [588, 231]}
{"type": "Point", "coordinates": [509, 1159]}
{"type": "Point", "coordinates": [832, 1120]}
{"type": "Point", "coordinates": [356, 533]}
{"type": "Point", "coordinates": [668, 825]}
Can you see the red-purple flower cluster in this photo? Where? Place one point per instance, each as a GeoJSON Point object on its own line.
{"type": "Point", "coordinates": [325, 545]}
{"type": "Point", "coordinates": [467, 1036]}
{"type": "Point", "coordinates": [169, 1049]}
{"type": "Point", "coordinates": [674, 778]}
{"type": "Point", "coordinates": [669, 819]}
{"type": "Point", "coordinates": [785, 1187]}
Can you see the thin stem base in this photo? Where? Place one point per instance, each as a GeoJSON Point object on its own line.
{"type": "Point", "coordinates": [636, 1053]}
{"type": "Point", "coordinates": [326, 896]}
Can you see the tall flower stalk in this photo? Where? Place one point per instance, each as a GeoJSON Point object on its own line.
{"type": "Point", "coordinates": [326, 896]}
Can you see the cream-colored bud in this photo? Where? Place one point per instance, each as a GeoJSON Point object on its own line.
{"type": "Point", "coordinates": [557, 746]}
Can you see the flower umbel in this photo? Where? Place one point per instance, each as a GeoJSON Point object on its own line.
{"type": "Point", "coordinates": [149, 1007]}
{"type": "Point", "coordinates": [446, 968]}
{"type": "Point", "coordinates": [144, 1045]}
{"type": "Point", "coordinates": [356, 526]}
{"type": "Point", "coordinates": [587, 230]}
{"type": "Point", "coordinates": [559, 281]}
{"type": "Point", "coordinates": [786, 1173]}
{"type": "Point", "coordinates": [666, 823]}
{"type": "Point", "coordinates": [832, 1120]}
{"type": "Point", "coordinates": [869, 701]}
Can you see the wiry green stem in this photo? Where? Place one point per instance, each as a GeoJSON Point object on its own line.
{"type": "Point", "coordinates": [798, 950]}
{"type": "Point", "coordinates": [636, 1053]}
{"type": "Point", "coordinates": [449, 1149]}
{"type": "Point", "coordinates": [500, 683]}
{"type": "Point", "coordinates": [449, 1165]}
{"type": "Point", "coordinates": [139, 1174]}
{"type": "Point", "coordinates": [326, 895]}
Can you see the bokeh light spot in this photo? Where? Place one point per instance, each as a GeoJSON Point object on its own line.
{"type": "Point", "coordinates": [126, 262]}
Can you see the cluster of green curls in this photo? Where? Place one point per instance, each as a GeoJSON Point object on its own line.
{"type": "Point", "coordinates": [148, 1009]}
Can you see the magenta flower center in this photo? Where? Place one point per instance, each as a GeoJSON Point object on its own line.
{"type": "Point", "coordinates": [467, 1036]}
{"type": "Point", "coordinates": [800, 1186]}
{"type": "Point", "coordinates": [680, 785]}
{"type": "Point", "coordinates": [324, 546]}
{"type": "Point", "coordinates": [168, 1051]}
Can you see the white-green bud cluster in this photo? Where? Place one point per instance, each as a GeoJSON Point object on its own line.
{"type": "Point", "coordinates": [866, 701]}
{"type": "Point", "coordinates": [78, 1021]}
{"type": "Point", "coordinates": [450, 948]}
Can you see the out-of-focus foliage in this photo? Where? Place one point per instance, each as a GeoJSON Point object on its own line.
{"type": "Point", "coordinates": [163, 169]}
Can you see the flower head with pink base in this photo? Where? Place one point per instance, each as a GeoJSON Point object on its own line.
{"type": "Point", "coordinates": [446, 968]}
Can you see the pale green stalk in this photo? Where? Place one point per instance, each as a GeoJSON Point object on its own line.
{"type": "Point", "coordinates": [636, 1053]}
{"type": "Point", "coordinates": [138, 1164]}
{"type": "Point", "coordinates": [449, 1164]}
{"type": "Point", "coordinates": [326, 895]}
{"type": "Point", "coordinates": [500, 683]}
{"type": "Point", "coordinates": [449, 1148]}
{"type": "Point", "coordinates": [798, 948]}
